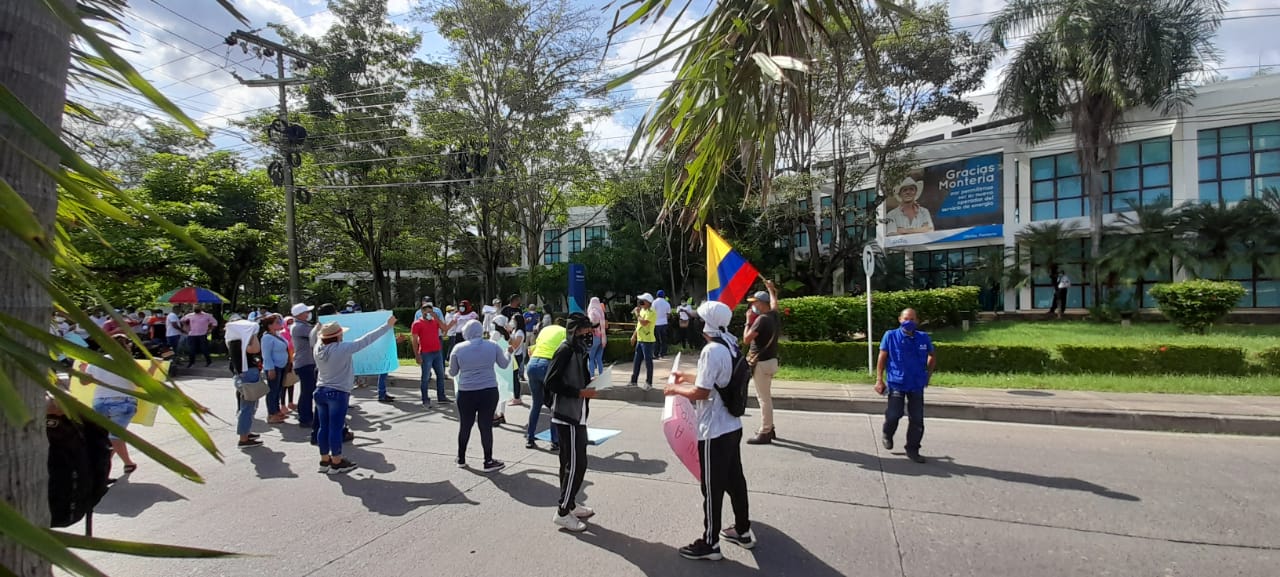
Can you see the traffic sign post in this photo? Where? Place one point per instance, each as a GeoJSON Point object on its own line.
{"type": "Point", "coordinates": [869, 265]}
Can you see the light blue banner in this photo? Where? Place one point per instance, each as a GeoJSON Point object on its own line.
{"type": "Point", "coordinates": [378, 358]}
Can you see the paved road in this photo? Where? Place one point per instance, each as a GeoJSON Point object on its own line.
{"type": "Point", "coordinates": [996, 499]}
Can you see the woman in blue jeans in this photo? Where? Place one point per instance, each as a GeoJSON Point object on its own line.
{"type": "Point", "coordinates": [336, 378]}
{"type": "Point", "coordinates": [544, 347]}
{"type": "Point", "coordinates": [472, 364]}
{"type": "Point", "coordinates": [118, 406]}
{"type": "Point", "coordinates": [275, 363]}
{"type": "Point", "coordinates": [244, 349]}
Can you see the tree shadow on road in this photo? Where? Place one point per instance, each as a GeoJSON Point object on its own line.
{"type": "Point", "coordinates": [132, 499]}
{"type": "Point", "coordinates": [399, 498]}
{"type": "Point", "coordinates": [776, 555]}
{"type": "Point", "coordinates": [944, 467]}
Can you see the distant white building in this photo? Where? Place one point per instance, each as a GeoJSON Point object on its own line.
{"type": "Point", "coordinates": [582, 227]}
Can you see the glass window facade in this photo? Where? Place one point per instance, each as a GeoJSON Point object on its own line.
{"type": "Point", "coordinates": [575, 241]}
{"type": "Point", "coordinates": [825, 227]}
{"type": "Point", "coordinates": [596, 235]}
{"type": "Point", "coordinates": [1143, 176]}
{"type": "Point", "coordinates": [1075, 262]}
{"type": "Point", "coordinates": [857, 224]}
{"type": "Point", "coordinates": [551, 246]}
{"type": "Point", "coordinates": [950, 267]}
{"type": "Point", "coordinates": [1237, 162]}
{"type": "Point", "coordinates": [801, 236]}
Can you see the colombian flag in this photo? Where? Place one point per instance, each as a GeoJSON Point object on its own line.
{"type": "Point", "coordinates": [729, 276]}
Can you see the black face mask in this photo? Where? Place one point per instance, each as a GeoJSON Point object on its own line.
{"type": "Point", "coordinates": [585, 341]}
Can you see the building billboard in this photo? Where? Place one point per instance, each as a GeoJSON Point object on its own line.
{"type": "Point", "coordinates": [947, 203]}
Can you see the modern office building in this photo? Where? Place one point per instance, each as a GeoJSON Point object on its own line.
{"type": "Point", "coordinates": [977, 186]}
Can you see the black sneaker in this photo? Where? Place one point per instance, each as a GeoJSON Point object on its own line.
{"type": "Point", "coordinates": [443, 401]}
{"type": "Point", "coordinates": [887, 441]}
{"type": "Point", "coordinates": [530, 445]}
{"type": "Point", "coordinates": [916, 456]}
{"type": "Point", "coordinates": [346, 466]}
{"type": "Point", "coordinates": [348, 436]}
{"type": "Point", "coordinates": [745, 540]}
{"type": "Point", "coordinates": [499, 420]}
{"type": "Point", "coordinates": [462, 463]}
{"type": "Point", "coordinates": [554, 448]}
{"type": "Point", "coordinates": [701, 550]}
{"type": "Point", "coordinates": [252, 442]}
{"type": "Point", "coordinates": [493, 466]}
{"type": "Point", "coordinates": [254, 435]}
{"type": "Point", "coordinates": [387, 399]}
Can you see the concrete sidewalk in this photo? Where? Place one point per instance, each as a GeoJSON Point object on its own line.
{"type": "Point", "coordinates": [1243, 415]}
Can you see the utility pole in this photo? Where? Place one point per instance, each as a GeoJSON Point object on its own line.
{"type": "Point", "coordinates": [286, 146]}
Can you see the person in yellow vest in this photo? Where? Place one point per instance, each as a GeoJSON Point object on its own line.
{"type": "Point", "coordinates": [548, 340]}
{"type": "Point", "coordinates": [643, 339]}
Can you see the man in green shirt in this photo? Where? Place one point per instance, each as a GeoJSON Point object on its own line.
{"type": "Point", "coordinates": [643, 339]}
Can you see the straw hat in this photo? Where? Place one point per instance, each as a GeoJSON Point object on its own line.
{"type": "Point", "coordinates": [331, 329]}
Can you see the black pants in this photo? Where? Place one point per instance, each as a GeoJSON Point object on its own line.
{"type": "Point", "coordinates": [913, 404]}
{"type": "Point", "coordinates": [521, 361]}
{"type": "Point", "coordinates": [721, 461]}
{"type": "Point", "coordinates": [1059, 301]}
{"type": "Point", "coordinates": [476, 407]}
{"type": "Point", "coordinates": [660, 347]}
{"type": "Point", "coordinates": [198, 345]}
{"type": "Point", "coordinates": [573, 464]}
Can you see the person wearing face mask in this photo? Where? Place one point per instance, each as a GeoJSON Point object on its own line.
{"type": "Point", "coordinates": [907, 356]}
{"type": "Point", "coordinates": [762, 336]}
{"type": "Point", "coordinates": [567, 380]}
{"type": "Point", "coordinates": [643, 339]}
{"type": "Point", "coordinates": [472, 366]}
{"type": "Point", "coordinates": [465, 313]}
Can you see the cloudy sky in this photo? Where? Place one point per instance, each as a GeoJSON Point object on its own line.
{"type": "Point", "coordinates": [178, 46]}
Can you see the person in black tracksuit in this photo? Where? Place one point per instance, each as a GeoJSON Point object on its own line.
{"type": "Point", "coordinates": [567, 379]}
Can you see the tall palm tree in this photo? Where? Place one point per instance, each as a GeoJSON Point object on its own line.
{"type": "Point", "coordinates": [1095, 62]}
{"type": "Point", "coordinates": [1043, 247]}
{"type": "Point", "coordinates": [740, 82]}
{"type": "Point", "coordinates": [45, 186]}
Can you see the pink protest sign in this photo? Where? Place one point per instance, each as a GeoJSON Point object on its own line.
{"type": "Point", "coordinates": [680, 424]}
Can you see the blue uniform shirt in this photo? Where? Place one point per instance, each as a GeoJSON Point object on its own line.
{"type": "Point", "coordinates": [908, 365]}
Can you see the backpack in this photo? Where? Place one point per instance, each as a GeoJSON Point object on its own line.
{"type": "Point", "coordinates": [79, 462]}
{"type": "Point", "coordinates": [734, 395]}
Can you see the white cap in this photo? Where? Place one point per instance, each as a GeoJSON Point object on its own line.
{"type": "Point", "coordinates": [646, 297]}
{"type": "Point", "coordinates": [300, 308]}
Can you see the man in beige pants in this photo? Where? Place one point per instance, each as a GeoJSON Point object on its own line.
{"type": "Point", "coordinates": [762, 335]}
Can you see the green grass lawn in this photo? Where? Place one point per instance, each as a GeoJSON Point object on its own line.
{"type": "Point", "coordinates": [1192, 385]}
{"type": "Point", "coordinates": [1252, 338]}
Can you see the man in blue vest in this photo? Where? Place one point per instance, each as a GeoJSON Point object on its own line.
{"type": "Point", "coordinates": [908, 355]}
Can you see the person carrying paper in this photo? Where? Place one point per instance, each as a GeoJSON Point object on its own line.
{"type": "Point", "coordinates": [567, 380]}
{"type": "Point", "coordinates": [719, 437]}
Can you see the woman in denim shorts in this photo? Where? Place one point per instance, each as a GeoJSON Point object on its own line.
{"type": "Point", "coordinates": [118, 407]}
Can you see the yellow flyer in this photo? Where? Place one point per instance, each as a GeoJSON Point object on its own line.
{"type": "Point", "coordinates": [146, 415]}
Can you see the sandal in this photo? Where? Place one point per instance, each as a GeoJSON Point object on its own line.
{"type": "Point", "coordinates": [129, 469]}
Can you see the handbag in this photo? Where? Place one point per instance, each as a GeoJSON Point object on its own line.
{"type": "Point", "coordinates": [251, 385]}
{"type": "Point", "coordinates": [290, 379]}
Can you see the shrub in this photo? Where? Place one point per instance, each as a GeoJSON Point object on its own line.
{"type": "Point", "coordinates": [838, 318]}
{"type": "Point", "coordinates": [618, 348]}
{"type": "Point", "coordinates": [1271, 360]}
{"type": "Point", "coordinates": [823, 354]}
{"type": "Point", "coordinates": [993, 359]}
{"type": "Point", "coordinates": [1196, 304]}
{"type": "Point", "coordinates": [1181, 360]}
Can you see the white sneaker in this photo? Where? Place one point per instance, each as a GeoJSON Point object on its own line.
{"type": "Point", "coordinates": [571, 523]}
{"type": "Point", "coordinates": [583, 512]}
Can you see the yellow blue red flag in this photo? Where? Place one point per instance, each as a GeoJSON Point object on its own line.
{"type": "Point", "coordinates": [729, 276]}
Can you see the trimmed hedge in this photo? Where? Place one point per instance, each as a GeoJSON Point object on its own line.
{"type": "Point", "coordinates": [838, 318]}
{"type": "Point", "coordinates": [951, 358]}
{"type": "Point", "coordinates": [961, 358]}
{"type": "Point", "coordinates": [1177, 360]}
{"type": "Point", "coordinates": [1271, 360]}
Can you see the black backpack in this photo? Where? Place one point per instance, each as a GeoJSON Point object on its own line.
{"type": "Point", "coordinates": [79, 462]}
{"type": "Point", "coordinates": [734, 395]}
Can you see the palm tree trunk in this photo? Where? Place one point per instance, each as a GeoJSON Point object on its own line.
{"type": "Point", "coordinates": [34, 56]}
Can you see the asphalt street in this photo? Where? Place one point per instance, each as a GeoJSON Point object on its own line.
{"type": "Point", "coordinates": [995, 499]}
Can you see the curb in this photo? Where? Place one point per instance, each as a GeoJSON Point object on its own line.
{"type": "Point", "coordinates": [1099, 419]}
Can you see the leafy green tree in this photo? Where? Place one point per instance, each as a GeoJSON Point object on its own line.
{"type": "Point", "coordinates": [1095, 62]}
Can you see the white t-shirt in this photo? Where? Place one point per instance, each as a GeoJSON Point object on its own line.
{"type": "Point", "coordinates": [897, 219]}
{"type": "Point", "coordinates": [102, 320]}
{"type": "Point", "coordinates": [169, 321]}
{"type": "Point", "coordinates": [524, 343]}
{"type": "Point", "coordinates": [489, 311]}
{"type": "Point", "coordinates": [715, 366]}
{"type": "Point", "coordinates": [685, 312]}
{"type": "Point", "coordinates": [101, 392]}
{"type": "Point", "coordinates": [460, 319]}
{"type": "Point", "coordinates": [663, 308]}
